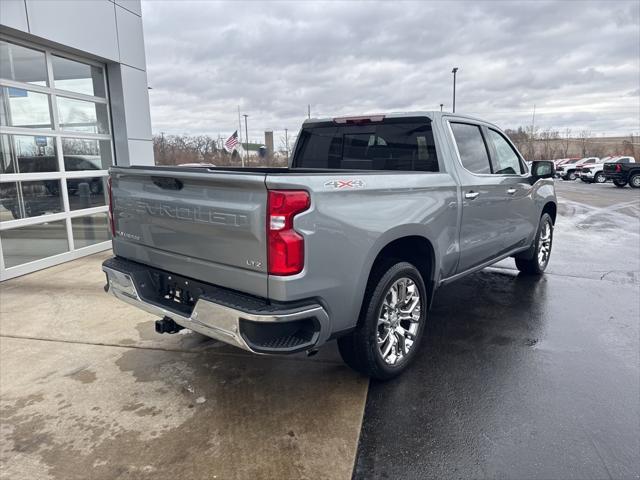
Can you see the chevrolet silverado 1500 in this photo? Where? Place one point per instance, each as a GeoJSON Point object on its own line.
{"type": "Point", "coordinates": [350, 242]}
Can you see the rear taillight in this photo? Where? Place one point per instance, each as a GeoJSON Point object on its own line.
{"type": "Point", "coordinates": [112, 224]}
{"type": "Point", "coordinates": [618, 167]}
{"type": "Point", "coordinates": [285, 249]}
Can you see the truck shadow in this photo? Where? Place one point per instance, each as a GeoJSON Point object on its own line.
{"type": "Point", "coordinates": [491, 307]}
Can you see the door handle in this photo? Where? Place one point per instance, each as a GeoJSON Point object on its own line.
{"type": "Point", "coordinates": [471, 195]}
{"type": "Point", "coordinates": [511, 191]}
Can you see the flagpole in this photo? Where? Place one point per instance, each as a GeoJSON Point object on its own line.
{"type": "Point", "coordinates": [240, 134]}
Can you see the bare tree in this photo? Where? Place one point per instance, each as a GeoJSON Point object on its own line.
{"type": "Point", "coordinates": [566, 142]}
{"type": "Point", "coordinates": [179, 149]}
{"type": "Point", "coordinates": [519, 137]}
{"type": "Point", "coordinates": [585, 136]}
{"type": "Point", "coordinates": [548, 141]}
{"type": "Point", "coordinates": [630, 147]}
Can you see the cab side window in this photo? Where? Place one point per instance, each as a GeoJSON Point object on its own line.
{"type": "Point", "coordinates": [471, 146]}
{"type": "Point", "coordinates": [506, 161]}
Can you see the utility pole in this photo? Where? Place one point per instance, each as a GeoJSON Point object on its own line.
{"type": "Point", "coordinates": [246, 132]}
{"type": "Point", "coordinates": [454, 71]}
{"type": "Point", "coordinates": [239, 127]}
{"type": "Point", "coordinates": [286, 141]}
{"type": "Point", "coordinates": [162, 155]}
{"type": "Point", "coordinates": [441, 105]}
{"type": "Point", "coordinates": [308, 110]}
{"type": "Point", "coordinates": [533, 119]}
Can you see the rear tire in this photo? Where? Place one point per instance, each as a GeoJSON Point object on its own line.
{"type": "Point", "coordinates": [634, 181]}
{"type": "Point", "coordinates": [537, 264]}
{"type": "Point", "coordinates": [571, 175]}
{"type": "Point", "coordinates": [619, 183]}
{"type": "Point", "coordinates": [384, 317]}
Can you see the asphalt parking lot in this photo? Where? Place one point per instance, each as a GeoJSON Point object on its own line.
{"type": "Point", "coordinates": [516, 378]}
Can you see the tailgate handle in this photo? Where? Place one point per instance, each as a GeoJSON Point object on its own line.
{"type": "Point", "coordinates": [167, 183]}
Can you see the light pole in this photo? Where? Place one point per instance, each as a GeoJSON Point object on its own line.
{"type": "Point", "coordinates": [454, 71]}
{"type": "Point", "coordinates": [246, 137]}
{"type": "Point", "coordinates": [286, 141]}
{"type": "Point", "coordinates": [441, 105]}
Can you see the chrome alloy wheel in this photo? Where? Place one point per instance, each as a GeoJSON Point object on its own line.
{"type": "Point", "coordinates": [544, 245]}
{"type": "Point", "coordinates": [398, 320]}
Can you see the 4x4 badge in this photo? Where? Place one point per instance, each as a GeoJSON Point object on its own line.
{"type": "Point", "coordinates": [342, 184]}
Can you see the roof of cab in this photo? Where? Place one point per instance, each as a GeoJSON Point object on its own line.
{"type": "Point", "coordinates": [432, 114]}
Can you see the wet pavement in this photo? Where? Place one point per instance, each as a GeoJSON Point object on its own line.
{"type": "Point", "coordinates": [517, 378]}
{"type": "Point", "coordinates": [89, 390]}
{"type": "Point", "coordinates": [524, 378]}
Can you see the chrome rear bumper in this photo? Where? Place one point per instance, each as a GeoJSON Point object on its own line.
{"type": "Point", "coordinates": [222, 322]}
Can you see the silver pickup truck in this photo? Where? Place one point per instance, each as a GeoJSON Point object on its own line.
{"type": "Point", "coordinates": [350, 242]}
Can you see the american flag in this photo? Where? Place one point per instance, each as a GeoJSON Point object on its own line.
{"type": "Point", "coordinates": [232, 141]}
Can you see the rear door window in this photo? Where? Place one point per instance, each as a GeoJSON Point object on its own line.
{"type": "Point", "coordinates": [506, 160]}
{"type": "Point", "coordinates": [405, 145]}
{"type": "Point", "coordinates": [471, 146]}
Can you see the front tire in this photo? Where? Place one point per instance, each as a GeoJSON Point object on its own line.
{"type": "Point", "coordinates": [572, 175]}
{"type": "Point", "coordinates": [537, 264]}
{"type": "Point", "coordinates": [391, 322]}
{"type": "Point", "coordinates": [619, 183]}
{"type": "Point", "coordinates": [600, 178]}
{"type": "Point", "coordinates": [634, 181]}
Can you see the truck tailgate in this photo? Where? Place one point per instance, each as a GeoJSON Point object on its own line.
{"type": "Point", "coordinates": [207, 225]}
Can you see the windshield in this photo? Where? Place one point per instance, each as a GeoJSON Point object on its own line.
{"type": "Point", "coordinates": [405, 145]}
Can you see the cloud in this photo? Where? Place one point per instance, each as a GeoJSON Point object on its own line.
{"type": "Point", "coordinates": [576, 62]}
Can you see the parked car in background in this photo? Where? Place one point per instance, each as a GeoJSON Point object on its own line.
{"type": "Point", "coordinates": [351, 241]}
{"type": "Point", "coordinates": [569, 170]}
{"type": "Point", "coordinates": [562, 161]}
{"type": "Point", "coordinates": [622, 171]}
{"type": "Point", "coordinates": [593, 173]}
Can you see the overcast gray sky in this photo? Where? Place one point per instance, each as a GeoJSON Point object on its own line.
{"type": "Point", "coordinates": [578, 62]}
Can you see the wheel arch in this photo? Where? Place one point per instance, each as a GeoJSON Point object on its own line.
{"type": "Point", "coordinates": [415, 249]}
{"type": "Point", "coordinates": [552, 209]}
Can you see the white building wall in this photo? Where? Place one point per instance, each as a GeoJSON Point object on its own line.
{"type": "Point", "coordinates": [107, 31]}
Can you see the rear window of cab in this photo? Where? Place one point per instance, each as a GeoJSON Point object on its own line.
{"type": "Point", "coordinates": [395, 145]}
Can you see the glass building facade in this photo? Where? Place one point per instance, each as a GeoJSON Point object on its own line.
{"type": "Point", "coordinates": [55, 151]}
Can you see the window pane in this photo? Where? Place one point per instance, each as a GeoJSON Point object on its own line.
{"type": "Point", "coordinates": [402, 146]}
{"type": "Point", "coordinates": [22, 64]}
{"type": "Point", "coordinates": [86, 192]}
{"type": "Point", "coordinates": [34, 242]}
{"type": "Point", "coordinates": [29, 199]}
{"type": "Point", "coordinates": [27, 154]}
{"type": "Point", "coordinates": [82, 116]}
{"type": "Point", "coordinates": [506, 161]}
{"type": "Point", "coordinates": [77, 77]}
{"type": "Point", "coordinates": [23, 108]}
{"type": "Point", "coordinates": [473, 152]}
{"type": "Point", "coordinates": [90, 229]}
{"type": "Point", "coordinates": [81, 154]}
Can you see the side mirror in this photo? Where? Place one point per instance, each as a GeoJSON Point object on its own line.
{"type": "Point", "coordinates": [542, 169]}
